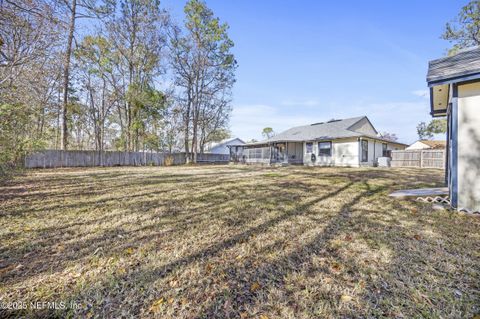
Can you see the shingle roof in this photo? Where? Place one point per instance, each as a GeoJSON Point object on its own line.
{"type": "Point", "coordinates": [319, 131]}
{"type": "Point", "coordinates": [330, 130]}
{"type": "Point", "coordinates": [435, 144]}
{"type": "Point", "coordinates": [466, 62]}
{"type": "Point", "coordinates": [228, 141]}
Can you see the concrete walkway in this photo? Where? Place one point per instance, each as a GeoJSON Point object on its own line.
{"type": "Point", "coordinates": [421, 192]}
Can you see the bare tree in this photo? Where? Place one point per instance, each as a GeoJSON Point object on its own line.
{"type": "Point", "coordinates": [388, 136]}
{"type": "Point", "coordinates": [29, 45]}
{"type": "Point", "coordinates": [77, 9]}
{"type": "Point", "coordinates": [137, 34]}
{"type": "Point", "coordinates": [28, 34]}
{"type": "Point", "coordinates": [105, 92]}
{"type": "Point", "coordinates": [95, 66]}
{"type": "Point", "coordinates": [464, 31]}
{"type": "Point", "coordinates": [172, 129]}
{"type": "Point", "coordinates": [203, 68]}
{"type": "Point", "coordinates": [213, 121]}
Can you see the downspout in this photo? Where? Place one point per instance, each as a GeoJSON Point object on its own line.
{"type": "Point", "coordinates": [286, 152]}
{"type": "Point", "coordinates": [453, 187]}
{"type": "Point", "coordinates": [271, 153]}
{"type": "Point", "coordinates": [359, 147]}
{"type": "Point", "coordinates": [447, 148]}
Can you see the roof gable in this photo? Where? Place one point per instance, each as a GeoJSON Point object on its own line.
{"type": "Point", "coordinates": [364, 126]}
{"type": "Point", "coordinates": [230, 141]}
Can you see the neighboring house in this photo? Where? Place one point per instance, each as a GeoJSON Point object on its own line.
{"type": "Point", "coordinates": [347, 142]}
{"type": "Point", "coordinates": [224, 146]}
{"type": "Point", "coordinates": [454, 84]}
{"type": "Point", "coordinates": [427, 145]}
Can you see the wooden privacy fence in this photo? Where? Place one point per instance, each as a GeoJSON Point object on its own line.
{"type": "Point", "coordinates": [419, 158]}
{"type": "Point", "coordinates": [212, 158]}
{"type": "Point", "coordinates": [57, 158]}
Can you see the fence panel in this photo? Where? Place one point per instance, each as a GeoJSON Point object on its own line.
{"type": "Point", "coordinates": [433, 159]}
{"type": "Point", "coordinates": [213, 158]}
{"type": "Point", "coordinates": [405, 159]}
{"type": "Point", "coordinates": [419, 158]}
{"type": "Point", "coordinates": [58, 158]}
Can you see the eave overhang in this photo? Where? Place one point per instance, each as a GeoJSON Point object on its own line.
{"type": "Point", "coordinates": [435, 81]}
{"type": "Point", "coordinates": [440, 89]}
{"type": "Point", "coordinates": [439, 98]}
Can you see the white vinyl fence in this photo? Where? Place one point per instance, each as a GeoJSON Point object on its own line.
{"type": "Point", "coordinates": [419, 158]}
{"type": "Point", "coordinates": [57, 158]}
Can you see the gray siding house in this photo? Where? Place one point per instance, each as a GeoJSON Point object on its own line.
{"type": "Point", "coordinates": [454, 84]}
{"type": "Point", "coordinates": [224, 146]}
{"type": "Point", "coordinates": [348, 142]}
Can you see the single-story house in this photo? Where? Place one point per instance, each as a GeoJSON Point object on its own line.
{"type": "Point", "coordinates": [454, 84]}
{"type": "Point", "coordinates": [223, 147]}
{"type": "Point", "coordinates": [347, 142]}
{"type": "Point", "coordinates": [427, 145]}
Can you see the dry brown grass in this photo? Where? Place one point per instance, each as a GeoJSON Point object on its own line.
{"type": "Point", "coordinates": [235, 242]}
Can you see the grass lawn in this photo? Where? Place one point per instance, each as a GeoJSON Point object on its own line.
{"type": "Point", "coordinates": [235, 242]}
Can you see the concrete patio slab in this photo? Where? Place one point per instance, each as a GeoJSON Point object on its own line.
{"type": "Point", "coordinates": [421, 192]}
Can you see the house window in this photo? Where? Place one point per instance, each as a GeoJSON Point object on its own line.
{"type": "Point", "coordinates": [309, 147]}
{"type": "Point", "coordinates": [364, 151]}
{"type": "Point", "coordinates": [325, 149]}
{"type": "Point", "coordinates": [384, 150]}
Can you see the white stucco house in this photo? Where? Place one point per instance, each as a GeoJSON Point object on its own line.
{"type": "Point", "coordinates": [224, 146]}
{"type": "Point", "coordinates": [347, 142]}
{"type": "Point", "coordinates": [454, 84]}
{"type": "Point", "coordinates": [427, 145]}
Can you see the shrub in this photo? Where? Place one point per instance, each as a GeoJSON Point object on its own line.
{"type": "Point", "coordinates": [169, 160]}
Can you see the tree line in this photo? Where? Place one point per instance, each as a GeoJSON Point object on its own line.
{"type": "Point", "coordinates": [463, 32]}
{"type": "Point", "coordinates": [112, 75]}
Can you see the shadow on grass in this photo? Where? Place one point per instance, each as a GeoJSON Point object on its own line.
{"type": "Point", "coordinates": [245, 211]}
{"type": "Point", "coordinates": [39, 252]}
{"type": "Point", "coordinates": [241, 294]}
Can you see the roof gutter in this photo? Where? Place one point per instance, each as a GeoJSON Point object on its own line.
{"type": "Point", "coordinates": [455, 79]}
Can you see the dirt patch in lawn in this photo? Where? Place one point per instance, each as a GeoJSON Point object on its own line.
{"type": "Point", "coordinates": [234, 242]}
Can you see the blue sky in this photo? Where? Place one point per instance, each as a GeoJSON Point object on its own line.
{"type": "Point", "coordinates": [302, 62]}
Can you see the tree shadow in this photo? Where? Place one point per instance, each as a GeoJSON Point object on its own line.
{"type": "Point", "coordinates": [240, 287]}
{"type": "Point", "coordinates": [39, 254]}
{"type": "Point", "coordinates": [313, 210]}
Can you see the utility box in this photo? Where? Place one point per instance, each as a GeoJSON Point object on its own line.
{"type": "Point", "coordinates": [383, 161]}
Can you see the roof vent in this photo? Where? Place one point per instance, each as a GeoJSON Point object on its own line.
{"type": "Point", "coordinates": [316, 123]}
{"type": "Point", "coordinates": [333, 120]}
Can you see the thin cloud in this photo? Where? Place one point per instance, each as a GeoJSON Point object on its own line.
{"type": "Point", "coordinates": [421, 93]}
{"type": "Point", "coordinates": [248, 121]}
{"type": "Point", "coordinates": [400, 118]}
{"type": "Point", "coordinates": [307, 102]}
